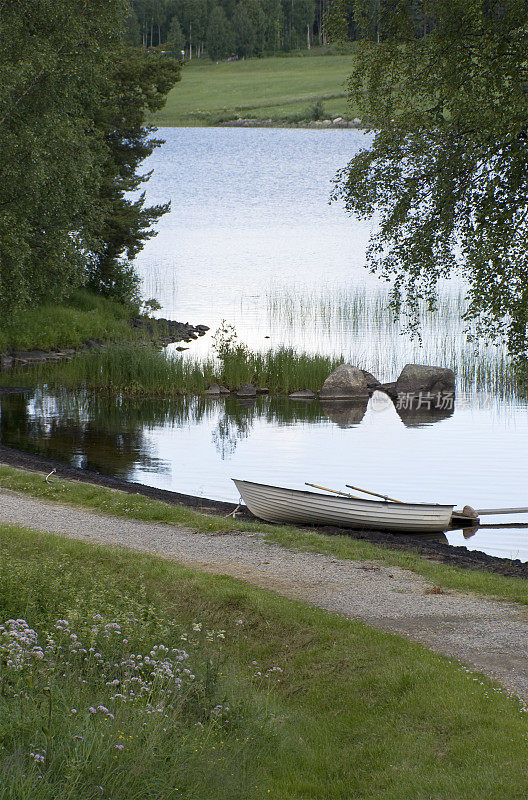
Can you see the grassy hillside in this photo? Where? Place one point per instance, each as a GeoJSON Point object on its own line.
{"type": "Point", "coordinates": [268, 88]}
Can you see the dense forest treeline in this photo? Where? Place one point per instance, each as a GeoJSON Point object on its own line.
{"type": "Point", "coordinates": [225, 28]}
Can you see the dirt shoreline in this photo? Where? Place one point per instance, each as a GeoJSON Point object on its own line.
{"type": "Point", "coordinates": [433, 550]}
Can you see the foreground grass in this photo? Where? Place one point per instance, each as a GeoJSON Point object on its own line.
{"type": "Point", "coordinates": [145, 371]}
{"type": "Point", "coordinates": [350, 712]}
{"type": "Point", "coordinates": [143, 508]}
{"type": "Point", "coordinates": [275, 88]}
{"type": "Point", "coordinates": [68, 324]}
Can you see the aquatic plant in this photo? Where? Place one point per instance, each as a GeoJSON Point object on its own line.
{"type": "Point", "coordinates": [382, 343]}
{"type": "Point", "coordinates": [143, 370]}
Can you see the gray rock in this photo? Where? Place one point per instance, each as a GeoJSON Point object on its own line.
{"type": "Point", "coordinates": [372, 382]}
{"type": "Point", "coordinates": [224, 390]}
{"type": "Point", "coordinates": [214, 389]}
{"type": "Point", "coordinates": [304, 394]}
{"type": "Point", "coordinates": [423, 378]}
{"type": "Point", "coordinates": [345, 383]}
{"type": "Point", "coordinates": [247, 390]}
{"type": "Point", "coordinates": [388, 388]}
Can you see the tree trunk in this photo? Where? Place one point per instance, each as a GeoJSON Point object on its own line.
{"type": "Point", "coordinates": [308, 37]}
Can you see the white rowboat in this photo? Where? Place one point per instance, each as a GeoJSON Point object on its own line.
{"type": "Point", "coordinates": [277, 504]}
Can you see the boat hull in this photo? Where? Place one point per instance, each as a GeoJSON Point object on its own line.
{"type": "Point", "coordinates": [277, 504]}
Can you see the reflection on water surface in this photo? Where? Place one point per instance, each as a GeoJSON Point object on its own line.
{"type": "Point", "coordinates": [474, 455]}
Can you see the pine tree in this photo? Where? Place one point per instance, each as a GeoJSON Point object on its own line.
{"type": "Point", "coordinates": [220, 40]}
{"type": "Point", "coordinates": [244, 31]}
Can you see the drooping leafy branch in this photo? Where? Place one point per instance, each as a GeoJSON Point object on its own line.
{"type": "Point", "coordinates": [447, 173]}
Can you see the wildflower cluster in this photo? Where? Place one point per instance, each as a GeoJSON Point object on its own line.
{"type": "Point", "coordinates": [271, 673]}
{"type": "Point", "coordinates": [98, 659]}
{"type": "Point", "coordinates": [19, 647]}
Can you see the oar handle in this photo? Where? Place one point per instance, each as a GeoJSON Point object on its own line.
{"type": "Point", "coordinates": [374, 494]}
{"type": "Point", "coordinates": [335, 491]}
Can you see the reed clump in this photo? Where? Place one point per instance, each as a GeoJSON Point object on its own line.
{"type": "Point", "coordinates": [381, 342]}
{"type": "Point", "coordinates": [144, 371]}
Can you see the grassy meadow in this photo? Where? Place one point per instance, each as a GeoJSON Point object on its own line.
{"type": "Point", "coordinates": [276, 88]}
{"type": "Point", "coordinates": [124, 675]}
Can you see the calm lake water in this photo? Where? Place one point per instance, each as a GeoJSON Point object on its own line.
{"type": "Point", "coordinates": [252, 239]}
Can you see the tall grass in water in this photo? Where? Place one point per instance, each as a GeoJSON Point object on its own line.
{"type": "Point", "coordinates": [378, 341]}
{"type": "Point", "coordinates": [134, 370]}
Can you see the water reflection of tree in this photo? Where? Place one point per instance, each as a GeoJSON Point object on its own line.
{"type": "Point", "coordinates": [238, 417]}
{"type": "Point", "coordinates": [234, 424]}
{"type": "Point", "coordinates": [109, 434]}
{"type": "Point", "coordinates": [100, 433]}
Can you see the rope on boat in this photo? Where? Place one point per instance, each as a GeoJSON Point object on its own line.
{"type": "Point", "coordinates": [233, 513]}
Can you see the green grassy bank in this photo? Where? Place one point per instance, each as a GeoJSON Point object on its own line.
{"type": "Point", "coordinates": [278, 88]}
{"type": "Point", "coordinates": [285, 700]}
{"type": "Point", "coordinates": [123, 504]}
{"type": "Point", "coordinates": [68, 324]}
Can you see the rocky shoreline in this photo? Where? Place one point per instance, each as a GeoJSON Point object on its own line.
{"type": "Point", "coordinates": [338, 122]}
{"type": "Point", "coordinates": [159, 331]}
{"type": "Point", "coordinates": [437, 551]}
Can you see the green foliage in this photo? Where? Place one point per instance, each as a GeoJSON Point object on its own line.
{"type": "Point", "coordinates": [243, 30]}
{"type": "Point", "coordinates": [72, 102]}
{"type": "Point", "coordinates": [447, 171]}
{"type": "Point", "coordinates": [175, 38]}
{"type": "Point", "coordinates": [264, 26]}
{"type": "Point", "coordinates": [317, 111]}
{"type": "Point", "coordinates": [52, 57]}
{"type": "Point", "coordinates": [336, 21]}
{"type": "Point", "coordinates": [138, 84]}
{"type": "Point", "coordinates": [144, 371]}
{"type": "Point", "coordinates": [220, 39]}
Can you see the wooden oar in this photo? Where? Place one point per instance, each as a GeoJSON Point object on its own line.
{"type": "Point", "coordinates": [374, 494]}
{"type": "Point", "coordinates": [335, 491]}
{"type": "Point", "coordinates": [484, 511]}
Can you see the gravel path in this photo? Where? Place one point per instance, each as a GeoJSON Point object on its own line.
{"type": "Point", "coordinates": [489, 635]}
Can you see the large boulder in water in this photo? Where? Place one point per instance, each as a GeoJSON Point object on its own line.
{"type": "Point", "coordinates": [345, 383]}
{"type": "Point", "coordinates": [422, 378]}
